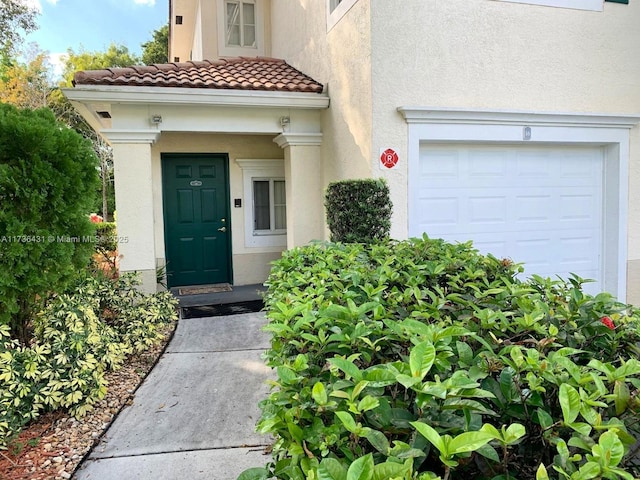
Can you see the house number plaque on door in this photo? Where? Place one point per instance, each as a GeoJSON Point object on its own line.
{"type": "Point", "coordinates": [195, 183]}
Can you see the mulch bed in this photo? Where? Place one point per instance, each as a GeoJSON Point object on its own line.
{"type": "Point", "coordinates": [53, 446]}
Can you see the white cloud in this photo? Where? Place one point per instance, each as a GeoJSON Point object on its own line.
{"type": "Point", "coordinates": [37, 5]}
{"type": "Point", "coordinates": [34, 4]}
{"type": "Point", "coordinates": [57, 62]}
{"type": "Point", "coordinates": [151, 3]}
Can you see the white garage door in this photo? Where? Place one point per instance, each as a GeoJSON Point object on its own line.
{"type": "Point", "coordinates": [538, 205]}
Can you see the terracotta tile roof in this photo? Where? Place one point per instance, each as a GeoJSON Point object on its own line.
{"type": "Point", "coordinates": [241, 73]}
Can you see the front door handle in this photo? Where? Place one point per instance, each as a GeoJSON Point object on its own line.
{"type": "Point", "coordinates": [223, 229]}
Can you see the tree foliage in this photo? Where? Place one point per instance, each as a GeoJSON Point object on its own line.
{"type": "Point", "coordinates": [48, 180]}
{"type": "Point", "coordinates": [26, 84]}
{"type": "Point", "coordinates": [156, 50]}
{"type": "Point", "coordinates": [114, 56]}
{"type": "Point", "coordinates": [16, 18]}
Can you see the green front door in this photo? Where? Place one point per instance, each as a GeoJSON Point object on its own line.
{"type": "Point", "coordinates": [196, 218]}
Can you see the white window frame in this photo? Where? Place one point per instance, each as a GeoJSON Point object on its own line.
{"type": "Point", "coordinates": [260, 169]}
{"type": "Point", "coordinates": [234, 51]}
{"type": "Point", "coordinates": [336, 10]}
{"type": "Point", "coordinates": [272, 206]}
{"type": "Point", "coordinates": [592, 5]}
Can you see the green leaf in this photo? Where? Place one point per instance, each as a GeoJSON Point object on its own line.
{"type": "Point", "coordinates": [622, 396]}
{"type": "Point", "coordinates": [254, 474]}
{"type": "Point", "coordinates": [378, 440]}
{"type": "Point", "coordinates": [421, 359]}
{"type": "Point", "coordinates": [347, 420]}
{"type": "Point", "coordinates": [569, 402]}
{"type": "Point", "coordinates": [348, 367]}
{"type": "Point", "coordinates": [630, 368]}
{"type": "Point", "coordinates": [588, 471]}
{"type": "Point", "coordinates": [368, 403]}
{"type": "Point", "coordinates": [514, 432]}
{"type": "Point", "coordinates": [406, 381]}
{"type": "Point", "coordinates": [465, 353]}
{"type": "Point", "coordinates": [430, 434]}
{"type": "Point", "coordinates": [319, 394]}
{"type": "Point", "coordinates": [581, 427]}
{"type": "Point", "coordinates": [285, 374]}
{"type": "Point", "coordinates": [541, 473]}
{"type": "Point", "coordinates": [361, 469]}
{"type": "Point", "coordinates": [389, 470]}
{"type": "Point", "coordinates": [544, 418]}
{"type": "Point", "coordinates": [331, 469]}
{"type": "Point", "coordinates": [489, 452]}
{"type": "Point", "coordinates": [468, 442]}
{"type": "Point", "coordinates": [609, 448]}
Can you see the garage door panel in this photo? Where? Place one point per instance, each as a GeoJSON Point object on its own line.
{"type": "Point", "coordinates": [538, 205]}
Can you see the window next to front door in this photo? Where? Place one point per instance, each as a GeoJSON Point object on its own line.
{"type": "Point", "coordinates": [265, 204]}
{"type": "Point", "coordinates": [269, 206]}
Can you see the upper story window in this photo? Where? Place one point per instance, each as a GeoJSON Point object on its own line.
{"type": "Point", "coordinates": [240, 24]}
{"type": "Point", "coordinates": [241, 28]}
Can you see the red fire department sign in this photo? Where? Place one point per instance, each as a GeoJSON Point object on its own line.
{"type": "Point", "coordinates": [388, 158]}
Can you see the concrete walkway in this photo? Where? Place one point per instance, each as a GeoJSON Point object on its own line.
{"type": "Point", "coordinates": [194, 416]}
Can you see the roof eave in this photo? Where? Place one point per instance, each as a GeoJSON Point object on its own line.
{"type": "Point", "coordinates": [196, 97]}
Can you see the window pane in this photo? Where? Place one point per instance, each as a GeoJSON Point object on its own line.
{"type": "Point", "coordinates": [280, 205]}
{"type": "Point", "coordinates": [249, 36]}
{"type": "Point", "coordinates": [248, 14]}
{"type": "Point", "coordinates": [233, 23]}
{"type": "Point", "coordinates": [261, 208]}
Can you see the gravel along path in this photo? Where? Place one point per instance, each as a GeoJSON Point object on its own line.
{"type": "Point", "coordinates": [53, 446]}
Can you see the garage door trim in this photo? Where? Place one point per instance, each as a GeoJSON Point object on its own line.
{"type": "Point", "coordinates": [443, 125]}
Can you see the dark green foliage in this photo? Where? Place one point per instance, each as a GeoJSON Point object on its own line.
{"type": "Point", "coordinates": [426, 360]}
{"type": "Point", "coordinates": [78, 337]}
{"type": "Point", "coordinates": [156, 50]}
{"type": "Point", "coordinates": [48, 180]}
{"type": "Point", "coordinates": [358, 210]}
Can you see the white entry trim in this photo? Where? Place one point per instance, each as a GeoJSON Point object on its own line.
{"type": "Point", "coordinates": [259, 168]}
{"type": "Point", "coordinates": [440, 125]}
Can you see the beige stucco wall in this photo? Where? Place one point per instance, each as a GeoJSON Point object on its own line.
{"type": "Point", "coordinates": [250, 265]}
{"type": "Point", "coordinates": [340, 60]}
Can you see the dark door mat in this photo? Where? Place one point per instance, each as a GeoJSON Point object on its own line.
{"type": "Point", "coordinates": [222, 310]}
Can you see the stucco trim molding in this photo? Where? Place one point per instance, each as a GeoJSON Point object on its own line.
{"type": "Point", "coordinates": [285, 140]}
{"type": "Point", "coordinates": [426, 115]}
{"type": "Point", "coordinates": [195, 96]}
{"type": "Point", "coordinates": [131, 136]}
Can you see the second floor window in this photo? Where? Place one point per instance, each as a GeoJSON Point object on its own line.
{"type": "Point", "coordinates": [241, 23]}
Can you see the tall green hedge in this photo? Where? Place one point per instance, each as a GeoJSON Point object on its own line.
{"type": "Point", "coordinates": [48, 180]}
{"type": "Point", "coordinates": [358, 211]}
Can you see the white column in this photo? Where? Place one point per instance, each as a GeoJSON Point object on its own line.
{"type": "Point", "coordinates": [134, 203]}
{"type": "Point", "coordinates": [305, 194]}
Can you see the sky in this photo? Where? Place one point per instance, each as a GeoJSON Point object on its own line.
{"type": "Point", "coordinates": [94, 24]}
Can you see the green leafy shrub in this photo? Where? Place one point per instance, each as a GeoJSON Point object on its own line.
{"type": "Point", "coordinates": [424, 360]}
{"type": "Point", "coordinates": [78, 337]}
{"type": "Point", "coordinates": [48, 179]}
{"type": "Point", "coordinates": [358, 210]}
{"type": "Point", "coordinates": [106, 234]}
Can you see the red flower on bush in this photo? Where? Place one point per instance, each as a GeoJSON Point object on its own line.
{"type": "Point", "coordinates": [608, 323]}
{"type": "Point", "coordinates": [95, 218]}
